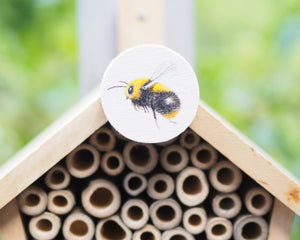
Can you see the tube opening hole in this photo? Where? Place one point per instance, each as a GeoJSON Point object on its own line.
{"type": "Point", "coordinates": [226, 203]}
{"type": "Point", "coordinates": [60, 201]}
{"type": "Point", "coordinates": [218, 230]}
{"type": "Point", "coordinates": [103, 138]}
{"type": "Point", "coordinates": [192, 185]}
{"type": "Point", "coordinates": [165, 213]}
{"type": "Point", "coordinates": [101, 198]}
{"type": "Point", "coordinates": [32, 200]}
{"type": "Point", "coordinates": [83, 159]}
{"type": "Point", "coordinates": [44, 225]}
{"type": "Point", "coordinates": [195, 220]}
{"type": "Point", "coordinates": [135, 213]}
{"type": "Point", "coordinates": [79, 228]}
{"type": "Point", "coordinates": [203, 156]}
{"type": "Point", "coordinates": [147, 236]}
{"type": "Point", "coordinates": [140, 155]}
{"type": "Point", "coordinates": [134, 183]}
{"type": "Point", "coordinates": [174, 158]}
{"type": "Point", "coordinates": [57, 177]}
{"type": "Point", "coordinates": [251, 230]}
{"type": "Point", "coordinates": [225, 176]}
{"type": "Point", "coordinates": [178, 237]}
{"type": "Point", "coordinates": [160, 186]}
{"type": "Point", "coordinates": [190, 138]}
{"type": "Point", "coordinates": [113, 162]}
{"type": "Point", "coordinates": [258, 201]}
{"type": "Point", "coordinates": [112, 230]}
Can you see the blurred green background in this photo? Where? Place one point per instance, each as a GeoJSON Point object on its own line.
{"type": "Point", "coordinates": [248, 64]}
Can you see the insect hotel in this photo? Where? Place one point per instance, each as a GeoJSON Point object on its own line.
{"type": "Point", "coordinates": [82, 179]}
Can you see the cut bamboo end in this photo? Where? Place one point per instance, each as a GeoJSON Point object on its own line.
{"type": "Point", "coordinates": [61, 201]}
{"type": "Point", "coordinates": [149, 232]}
{"type": "Point", "coordinates": [78, 226]}
{"type": "Point", "coordinates": [33, 201]}
{"type": "Point", "coordinates": [112, 228]}
{"type": "Point", "coordinates": [258, 201]}
{"type": "Point", "coordinates": [135, 213]}
{"type": "Point", "coordinates": [204, 156]}
{"type": "Point", "coordinates": [83, 161]}
{"type": "Point", "coordinates": [194, 220]}
{"type": "Point", "coordinates": [103, 139]}
{"type": "Point", "coordinates": [112, 163]}
{"type": "Point", "coordinates": [57, 178]}
{"type": "Point", "coordinates": [45, 226]}
{"type": "Point", "coordinates": [160, 186]}
{"type": "Point", "coordinates": [250, 227]}
{"type": "Point", "coordinates": [227, 205]}
{"type": "Point", "coordinates": [191, 186]}
{"type": "Point", "coordinates": [218, 228]}
{"type": "Point", "coordinates": [165, 214]}
{"type": "Point", "coordinates": [101, 198]}
{"type": "Point", "coordinates": [177, 233]}
{"type": "Point", "coordinates": [174, 158]}
{"type": "Point", "coordinates": [140, 157]}
{"type": "Point", "coordinates": [189, 139]}
{"type": "Point", "coordinates": [225, 177]}
{"type": "Point", "coordinates": [134, 183]}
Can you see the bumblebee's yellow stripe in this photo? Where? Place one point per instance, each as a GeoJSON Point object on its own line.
{"type": "Point", "coordinates": [171, 114]}
{"type": "Point", "coordinates": [158, 87]}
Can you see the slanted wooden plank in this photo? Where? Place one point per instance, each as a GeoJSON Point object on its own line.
{"type": "Point", "coordinates": [51, 146]}
{"type": "Point", "coordinates": [11, 226]}
{"type": "Point", "coordinates": [281, 222]}
{"type": "Point", "coordinates": [247, 156]}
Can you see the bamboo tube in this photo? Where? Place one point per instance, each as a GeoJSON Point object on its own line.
{"type": "Point", "coordinates": [177, 233]}
{"type": "Point", "coordinates": [189, 139]}
{"type": "Point", "coordinates": [174, 158]}
{"type": "Point", "coordinates": [78, 226]}
{"type": "Point", "coordinates": [112, 163]}
{"type": "Point", "coordinates": [57, 178]}
{"type": "Point", "coordinates": [160, 186]}
{"type": "Point", "coordinates": [134, 183]}
{"type": "Point", "coordinates": [112, 228]}
{"type": "Point", "coordinates": [165, 214]}
{"type": "Point", "coordinates": [226, 205]}
{"type": "Point", "coordinates": [191, 186]}
{"type": "Point", "coordinates": [101, 198]}
{"type": "Point", "coordinates": [225, 177]}
{"type": "Point", "coordinates": [119, 135]}
{"type": "Point", "coordinates": [149, 232]}
{"type": "Point", "coordinates": [194, 220]}
{"type": "Point", "coordinates": [83, 161]}
{"type": "Point", "coordinates": [135, 213]}
{"type": "Point", "coordinates": [250, 227]}
{"type": "Point", "coordinates": [166, 143]}
{"type": "Point", "coordinates": [218, 228]}
{"type": "Point", "coordinates": [61, 201]}
{"type": "Point", "coordinates": [204, 156]}
{"type": "Point", "coordinates": [33, 201]}
{"type": "Point", "coordinates": [140, 157]}
{"type": "Point", "coordinates": [103, 139]}
{"type": "Point", "coordinates": [258, 201]}
{"type": "Point", "coordinates": [45, 226]}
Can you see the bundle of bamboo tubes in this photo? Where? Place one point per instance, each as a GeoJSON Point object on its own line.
{"type": "Point", "coordinates": [112, 188]}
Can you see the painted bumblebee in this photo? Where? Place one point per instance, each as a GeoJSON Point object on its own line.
{"type": "Point", "coordinates": [146, 93]}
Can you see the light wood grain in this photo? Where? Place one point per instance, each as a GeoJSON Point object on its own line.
{"type": "Point", "coordinates": [247, 156]}
{"type": "Point", "coordinates": [139, 22]}
{"type": "Point", "coordinates": [11, 226]}
{"type": "Point", "coordinates": [281, 222]}
{"type": "Point", "coordinates": [51, 146]}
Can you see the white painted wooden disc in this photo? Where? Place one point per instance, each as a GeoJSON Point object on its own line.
{"type": "Point", "coordinates": [163, 66]}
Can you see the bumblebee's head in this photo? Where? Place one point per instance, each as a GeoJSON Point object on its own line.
{"type": "Point", "coordinates": [134, 87]}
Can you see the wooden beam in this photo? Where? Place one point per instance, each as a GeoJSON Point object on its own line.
{"type": "Point", "coordinates": [247, 156]}
{"type": "Point", "coordinates": [11, 226]}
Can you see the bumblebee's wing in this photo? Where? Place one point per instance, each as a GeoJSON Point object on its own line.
{"type": "Point", "coordinates": [164, 70]}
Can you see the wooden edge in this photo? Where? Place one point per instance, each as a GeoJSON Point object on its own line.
{"type": "Point", "coordinates": [281, 223]}
{"type": "Point", "coordinates": [51, 146]}
{"type": "Point", "coordinates": [11, 225]}
{"type": "Point", "coordinates": [247, 156]}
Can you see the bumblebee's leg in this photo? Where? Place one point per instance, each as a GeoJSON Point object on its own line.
{"type": "Point", "coordinates": [154, 114]}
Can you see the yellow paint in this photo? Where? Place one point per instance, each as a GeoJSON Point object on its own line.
{"type": "Point", "coordinates": [171, 114]}
{"type": "Point", "coordinates": [158, 87]}
{"type": "Point", "coordinates": [136, 84]}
